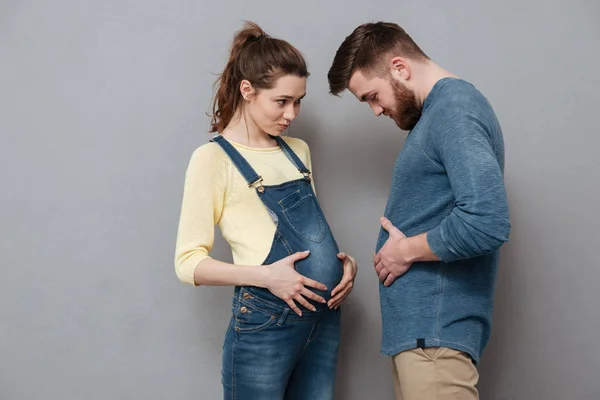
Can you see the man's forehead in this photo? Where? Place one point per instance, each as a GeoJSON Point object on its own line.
{"type": "Point", "coordinates": [358, 84]}
{"type": "Point", "coordinates": [361, 86]}
{"type": "Point", "coordinates": [356, 79]}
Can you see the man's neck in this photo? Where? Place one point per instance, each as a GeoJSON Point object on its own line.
{"type": "Point", "coordinates": [428, 76]}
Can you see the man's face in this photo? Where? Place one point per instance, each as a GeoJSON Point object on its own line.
{"type": "Point", "coordinates": [387, 96]}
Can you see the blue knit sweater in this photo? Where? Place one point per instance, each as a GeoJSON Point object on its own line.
{"type": "Point", "coordinates": [448, 181]}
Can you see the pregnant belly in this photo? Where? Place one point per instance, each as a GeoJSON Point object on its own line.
{"type": "Point", "coordinates": [322, 265]}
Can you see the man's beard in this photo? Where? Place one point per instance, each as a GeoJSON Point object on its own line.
{"type": "Point", "coordinates": [407, 112]}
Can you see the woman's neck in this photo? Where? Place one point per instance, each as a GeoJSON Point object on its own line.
{"type": "Point", "coordinates": [241, 129]}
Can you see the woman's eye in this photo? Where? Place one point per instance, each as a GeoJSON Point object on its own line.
{"type": "Point", "coordinates": [281, 102]}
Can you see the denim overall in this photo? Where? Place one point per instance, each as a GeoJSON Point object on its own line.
{"type": "Point", "coordinates": [271, 353]}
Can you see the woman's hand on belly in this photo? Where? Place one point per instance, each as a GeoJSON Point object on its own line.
{"type": "Point", "coordinates": [341, 291]}
{"type": "Point", "coordinates": [290, 286]}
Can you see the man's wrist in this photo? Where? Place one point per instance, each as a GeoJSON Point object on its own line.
{"type": "Point", "coordinates": [407, 249]}
{"type": "Point", "coordinates": [416, 249]}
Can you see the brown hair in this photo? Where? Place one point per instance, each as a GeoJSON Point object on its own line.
{"type": "Point", "coordinates": [258, 58]}
{"type": "Point", "coordinates": [364, 50]}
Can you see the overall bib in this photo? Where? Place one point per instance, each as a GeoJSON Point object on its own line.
{"type": "Point", "coordinates": [271, 353]}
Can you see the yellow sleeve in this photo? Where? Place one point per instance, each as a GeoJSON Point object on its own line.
{"type": "Point", "coordinates": [204, 195]}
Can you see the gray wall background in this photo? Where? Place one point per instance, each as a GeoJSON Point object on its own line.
{"type": "Point", "coordinates": [102, 103]}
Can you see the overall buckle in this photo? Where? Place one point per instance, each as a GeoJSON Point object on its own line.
{"type": "Point", "coordinates": [257, 184]}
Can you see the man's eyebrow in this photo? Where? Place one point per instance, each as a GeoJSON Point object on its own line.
{"type": "Point", "coordinates": [364, 96]}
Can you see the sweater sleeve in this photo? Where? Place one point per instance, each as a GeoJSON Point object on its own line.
{"type": "Point", "coordinates": [201, 209]}
{"type": "Point", "coordinates": [478, 222]}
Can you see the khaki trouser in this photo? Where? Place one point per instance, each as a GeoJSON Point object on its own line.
{"type": "Point", "coordinates": [434, 373]}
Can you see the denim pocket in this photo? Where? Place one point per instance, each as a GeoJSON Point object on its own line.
{"type": "Point", "coordinates": [251, 319]}
{"type": "Point", "coordinates": [303, 215]}
{"type": "Point", "coordinates": [290, 199]}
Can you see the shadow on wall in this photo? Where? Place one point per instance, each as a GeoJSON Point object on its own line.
{"type": "Point", "coordinates": [500, 351]}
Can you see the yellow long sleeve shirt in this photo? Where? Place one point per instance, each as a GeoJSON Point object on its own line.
{"type": "Point", "coordinates": [215, 193]}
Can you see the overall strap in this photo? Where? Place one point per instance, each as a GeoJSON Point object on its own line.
{"type": "Point", "coordinates": [292, 157]}
{"type": "Point", "coordinates": [240, 162]}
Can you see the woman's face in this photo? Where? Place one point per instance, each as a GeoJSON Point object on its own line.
{"type": "Point", "coordinates": [273, 109]}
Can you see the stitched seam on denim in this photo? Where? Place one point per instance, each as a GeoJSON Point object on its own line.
{"type": "Point", "coordinates": [258, 328]}
{"type": "Point", "coordinates": [310, 237]}
{"type": "Point", "coordinates": [283, 317]}
{"type": "Point", "coordinates": [260, 300]}
{"type": "Point", "coordinates": [317, 327]}
{"type": "Point", "coordinates": [294, 318]}
{"type": "Point", "coordinates": [228, 331]}
{"type": "Point", "coordinates": [298, 201]}
{"type": "Point", "coordinates": [250, 303]}
{"type": "Point", "coordinates": [312, 315]}
{"type": "Point", "coordinates": [233, 365]}
{"type": "Point", "coordinates": [297, 191]}
{"type": "Point", "coordinates": [305, 317]}
{"type": "Point", "coordinates": [308, 341]}
{"type": "Point", "coordinates": [273, 244]}
{"type": "Point", "coordinates": [285, 244]}
{"type": "Point", "coordinates": [241, 300]}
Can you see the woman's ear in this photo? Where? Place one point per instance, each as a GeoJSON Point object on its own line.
{"type": "Point", "coordinates": [246, 89]}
